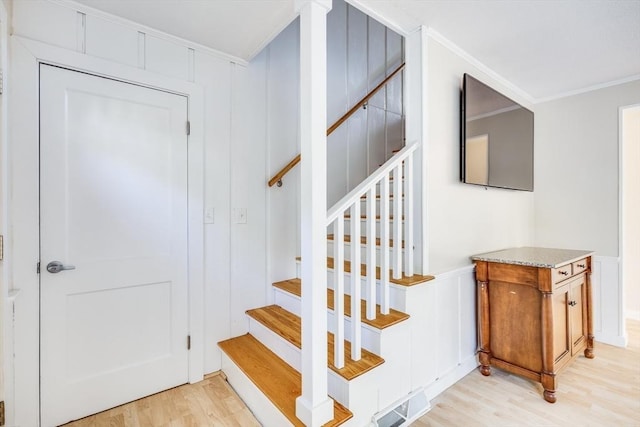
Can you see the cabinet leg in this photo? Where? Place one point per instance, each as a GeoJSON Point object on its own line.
{"type": "Point", "coordinates": [549, 385]}
{"type": "Point", "coordinates": [485, 363]}
{"type": "Point", "coordinates": [588, 352]}
{"type": "Point", "coordinates": [550, 396]}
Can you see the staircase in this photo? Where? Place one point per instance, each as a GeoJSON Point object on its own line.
{"type": "Point", "coordinates": [369, 342]}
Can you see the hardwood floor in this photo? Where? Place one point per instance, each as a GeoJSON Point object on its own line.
{"type": "Point", "coordinates": [604, 391]}
{"type": "Point", "coordinates": [211, 402]}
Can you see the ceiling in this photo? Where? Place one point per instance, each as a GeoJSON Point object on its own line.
{"type": "Point", "coordinates": [546, 48]}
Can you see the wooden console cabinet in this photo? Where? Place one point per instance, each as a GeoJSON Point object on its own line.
{"type": "Point", "coordinates": [534, 312]}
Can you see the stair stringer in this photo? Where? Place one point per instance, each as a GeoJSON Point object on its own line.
{"type": "Point", "coordinates": [261, 407]}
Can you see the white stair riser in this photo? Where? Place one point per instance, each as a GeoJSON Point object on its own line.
{"type": "Point", "coordinates": [363, 250]}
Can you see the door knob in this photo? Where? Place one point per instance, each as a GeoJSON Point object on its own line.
{"type": "Point", "coordinates": [57, 267]}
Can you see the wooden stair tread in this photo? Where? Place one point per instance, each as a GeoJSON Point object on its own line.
{"type": "Point", "coordinates": [279, 382]}
{"type": "Point", "coordinates": [382, 321]}
{"type": "Point", "coordinates": [414, 280]}
{"type": "Point", "coordinates": [288, 326]}
{"type": "Point", "coordinates": [363, 240]}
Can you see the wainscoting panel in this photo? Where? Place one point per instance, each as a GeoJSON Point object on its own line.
{"type": "Point", "coordinates": [608, 319]}
{"type": "Point", "coordinates": [443, 330]}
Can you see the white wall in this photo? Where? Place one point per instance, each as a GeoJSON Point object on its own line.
{"type": "Point", "coordinates": [464, 219]}
{"type": "Point", "coordinates": [4, 34]}
{"type": "Point", "coordinates": [577, 190]}
{"type": "Point", "coordinates": [235, 171]}
{"type": "Point", "coordinates": [281, 74]}
{"type": "Point", "coordinates": [576, 169]}
{"type": "Point", "coordinates": [630, 160]}
{"type": "Point", "coordinates": [248, 250]}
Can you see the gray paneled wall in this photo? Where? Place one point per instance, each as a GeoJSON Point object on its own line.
{"type": "Point", "coordinates": [361, 53]}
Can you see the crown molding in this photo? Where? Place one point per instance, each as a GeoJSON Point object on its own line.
{"type": "Point", "coordinates": [435, 35]}
{"type": "Point", "coordinates": [589, 89]}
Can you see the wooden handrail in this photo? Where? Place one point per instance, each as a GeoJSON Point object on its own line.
{"type": "Point", "coordinates": [277, 178]}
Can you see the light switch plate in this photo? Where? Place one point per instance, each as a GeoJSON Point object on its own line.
{"type": "Point", "coordinates": [208, 216]}
{"type": "Point", "coordinates": [240, 215]}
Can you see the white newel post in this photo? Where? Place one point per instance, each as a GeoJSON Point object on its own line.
{"type": "Point", "coordinates": [417, 122]}
{"type": "Point", "coordinates": [313, 407]}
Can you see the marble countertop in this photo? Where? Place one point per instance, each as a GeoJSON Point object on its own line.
{"type": "Point", "coordinates": [535, 257]}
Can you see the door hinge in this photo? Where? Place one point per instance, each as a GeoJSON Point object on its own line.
{"type": "Point", "coordinates": [2, 413]}
{"type": "Point", "coordinates": [38, 267]}
{"type": "Point", "coordinates": [188, 128]}
{"type": "Point", "coordinates": [188, 342]}
{"type": "Point", "coordinates": [1, 247]}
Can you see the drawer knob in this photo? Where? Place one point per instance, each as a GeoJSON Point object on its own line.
{"type": "Point", "coordinates": [581, 266]}
{"type": "Point", "coordinates": [572, 303]}
{"type": "Point", "coordinates": [564, 273]}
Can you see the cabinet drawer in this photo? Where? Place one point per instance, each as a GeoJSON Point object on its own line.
{"type": "Point", "coordinates": [579, 266]}
{"type": "Point", "coordinates": [561, 273]}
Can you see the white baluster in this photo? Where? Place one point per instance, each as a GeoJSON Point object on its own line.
{"type": "Point", "coordinates": [385, 235]}
{"type": "Point", "coordinates": [408, 216]}
{"type": "Point", "coordinates": [397, 222]}
{"type": "Point", "coordinates": [356, 333]}
{"type": "Point", "coordinates": [371, 253]}
{"type": "Point", "coordinates": [338, 292]}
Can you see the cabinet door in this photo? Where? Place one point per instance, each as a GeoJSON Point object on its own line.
{"type": "Point", "coordinates": [561, 338]}
{"type": "Point", "coordinates": [577, 313]}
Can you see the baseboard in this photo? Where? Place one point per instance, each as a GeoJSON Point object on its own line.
{"type": "Point", "coordinates": [450, 378]}
{"type": "Point", "coordinates": [615, 340]}
{"type": "Point", "coordinates": [632, 314]}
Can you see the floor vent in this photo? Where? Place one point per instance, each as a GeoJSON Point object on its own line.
{"type": "Point", "coordinates": [403, 412]}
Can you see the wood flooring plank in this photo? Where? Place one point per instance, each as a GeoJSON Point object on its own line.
{"type": "Point", "coordinates": [382, 321]}
{"type": "Point", "coordinates": [279, 382]}
{"type": "Point", "coordinates": [189, 405]}
{"type": "Point", "coordinates": [604, 391]}
{"type": "Point", "coordinates": [288, 326]}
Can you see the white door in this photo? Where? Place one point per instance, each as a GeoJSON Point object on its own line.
{"type": "Point", "coordinates": [113, 204]}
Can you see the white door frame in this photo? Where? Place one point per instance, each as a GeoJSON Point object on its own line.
{"type": "Point", "coordinates": [622, 221]}
{"type": "Point", "coordinates": [22, 248]}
